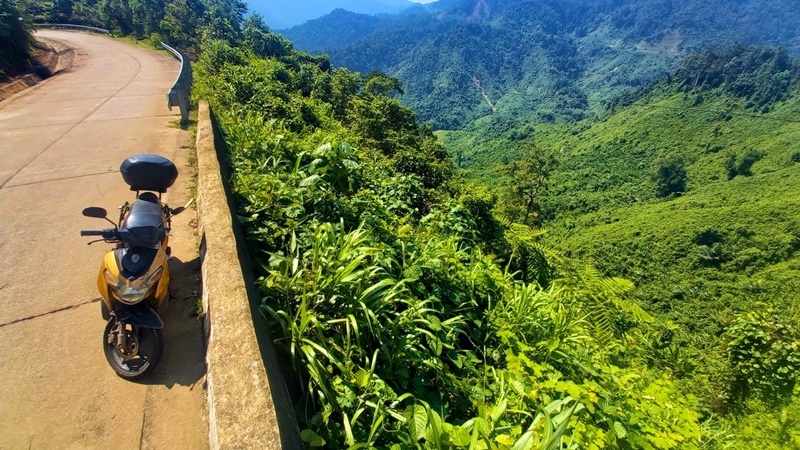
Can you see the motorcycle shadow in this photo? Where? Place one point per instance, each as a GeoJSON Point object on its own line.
{"type": "Point", "coordinates": [183, 362]}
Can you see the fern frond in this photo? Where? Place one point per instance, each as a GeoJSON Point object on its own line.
{"type": "Point", "coordinates": [600, 297]}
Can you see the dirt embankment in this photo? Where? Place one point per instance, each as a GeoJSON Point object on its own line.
{"type": "Point", "coordinates": [48, 57]}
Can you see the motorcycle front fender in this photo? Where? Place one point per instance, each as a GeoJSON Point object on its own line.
{"type": "Point", "coordinates": [141, 315]}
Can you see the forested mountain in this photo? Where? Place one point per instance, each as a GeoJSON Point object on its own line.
{"type": "Point", "coordinates": [719, 132]}
{"type": "Point", "coordinates": [689, 189]}
{"type": "Point", "coordinates": [287, 13]}
{"type": "Point", "coordinates": [337, 29]}
{"type": "Point", "coordinates": [544, 60]}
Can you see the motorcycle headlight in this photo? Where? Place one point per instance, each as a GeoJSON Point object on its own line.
{"type": "Point", "coordinates": [136, 291]}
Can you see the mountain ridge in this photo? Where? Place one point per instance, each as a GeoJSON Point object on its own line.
{"type": "Point", "coordinates": [561, 59]}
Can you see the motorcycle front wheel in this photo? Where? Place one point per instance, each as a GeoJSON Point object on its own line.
{"type": "Point", "coordinates": [142, 352]}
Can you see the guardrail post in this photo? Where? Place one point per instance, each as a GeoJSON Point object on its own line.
{"type": "Point", "coordinates": [180, 91]}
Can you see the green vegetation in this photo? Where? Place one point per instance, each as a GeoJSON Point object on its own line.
{"type": "Point", "coordinates": [15, 38]}
{"type": "Point", "coordinates": [419, 308]}
{"type": "Point", "coordinates": [414, 312]}
{"type": "Point", "coordinates": [182, 23]}
{"type": "Point", "coordinates": [670, 177]}
{"type": "Point", "coordinates": [689, 189]}
{"type": "Point", "coordinates": [488, 65]}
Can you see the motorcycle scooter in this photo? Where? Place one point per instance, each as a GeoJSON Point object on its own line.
{"type": "Point", "coordinates": [134, 276]}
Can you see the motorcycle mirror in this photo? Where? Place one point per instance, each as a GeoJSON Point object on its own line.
{"type": "Point", "coordinates": [180, 209]}
{"type": "Point", "coordinates": [96, 212]}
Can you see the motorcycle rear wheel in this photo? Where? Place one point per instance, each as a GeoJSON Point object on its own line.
{"type": "Point", "coordinates": [149, 348]}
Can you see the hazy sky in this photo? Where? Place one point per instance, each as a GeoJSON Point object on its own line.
{"type": "Point", "coordinates": [423, 1]}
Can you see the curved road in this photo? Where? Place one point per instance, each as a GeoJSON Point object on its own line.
{"type": "Point", "coordinates": [61, 144]}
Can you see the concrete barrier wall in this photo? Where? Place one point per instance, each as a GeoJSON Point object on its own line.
{"type": "Point", "coordinates": [62, 55]}
{"type": "Point", "coordinates": [249, 405]}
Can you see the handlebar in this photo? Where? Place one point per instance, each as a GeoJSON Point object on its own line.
{"type": "Point", "coordinates": [108, 233]}
{"type": "Point", "coordinates": [147, 236]}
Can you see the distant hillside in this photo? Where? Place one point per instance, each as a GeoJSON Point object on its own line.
{"type": "Point", "coordinates": [280, 14]}
{"type": "Point", "coordinates": [541, 60]}
{"type": "Point", "coordinates": [726, 123]}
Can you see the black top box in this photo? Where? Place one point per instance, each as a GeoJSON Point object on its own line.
{"type": "Point", "coordinates": [148, 172]}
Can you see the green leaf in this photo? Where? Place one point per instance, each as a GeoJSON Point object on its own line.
{"type": "Point", "coordinates": [310, 181]}
{"type": "Point", "coordinates": [433, 433]}
{"type": "Point", "coordinates": [311, 438]}
{"type": "Point", "coordinates": [350, 164]}
{"type": "Point", "coordinates": [499, 410]}
{"type": "Point", "coordinates": [554, 439]}
{"type": "Point", "coordinates": [620, 430]}
{"type": "Point", "coordinates": [416, 421]}
{"type": "Point", "coordinates": [362, 378]}
{"type": "Point", "coordinates": [504, 439]}
{"type": "Point", "coordinates": [524, 442]}
{"type": "Point", "coordinates": [348, 431]}
{"type": "Point", "coordinates": [459, 436]}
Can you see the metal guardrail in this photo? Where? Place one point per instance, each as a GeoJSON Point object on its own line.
{"type": "Point", "coordinates": [178, 95]}
{"type": "Point", "coordinates": [71, 26]}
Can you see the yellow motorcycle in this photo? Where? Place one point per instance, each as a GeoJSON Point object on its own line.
{"type": "Point", "coordinates": [134, 276]}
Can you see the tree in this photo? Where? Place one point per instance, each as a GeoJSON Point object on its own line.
{"type": "Point", "coordinates": [181, 21]}
{"type": "Point", "coordinates": [62, 11]}
{"type": "Point", "coordinates": [41, 11]}
{"type": "Point", "coordinates": [344, 86]}
{"type": "Point", "coordinates": [15, 38]}
{"type": "Point", "coordinates": [223, 19]}
{"type": "Point", "coordinates": [265, 44]}
{"type": "Point", "coordinates": [86, 13]}
{"type": "Point", "coordinates": [743, 167]}
{"type": "Point", "coordinates": [147, 15]}
{"type": "Point", "coordinates": [763, 351]}
{"type": "Point", "coordinates": [526, 184]}
{"type": "Point", "coordinates": [670, 177]}
{"type": "Point", "coordinates": [378, 83]}
{"type": "Point", "coordinates": [116, 16]}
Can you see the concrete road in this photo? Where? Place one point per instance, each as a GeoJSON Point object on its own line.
{"type": "Point", "coordinates": [61, 144]}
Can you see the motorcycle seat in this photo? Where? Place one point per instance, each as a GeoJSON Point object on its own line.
{"type": "Point", "coordinates": [148, 197]}
{"type": "Point", "coordinates": [144, 213]}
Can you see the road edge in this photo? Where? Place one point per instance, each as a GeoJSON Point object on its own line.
{"type": "Point", "coordinates": [62, 62]}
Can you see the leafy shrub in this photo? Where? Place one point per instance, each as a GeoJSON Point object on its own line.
{"type": "Point", "coordinates": [749, 158]}
{"type": "Point", "coordinates": [764, 354]}
{"type": "Point", "coordinates": [743, 166]}
{"type": "Point", "coordinates": [670, 177]}
{"type": "Point", "coordinates": [15, 37]}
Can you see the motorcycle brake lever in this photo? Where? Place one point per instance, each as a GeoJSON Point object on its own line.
{"type": "Point", "coordinates": [92, 242]}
